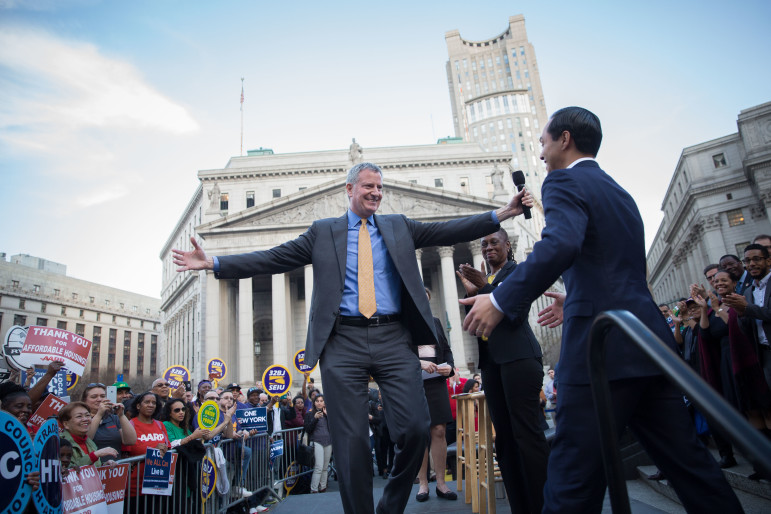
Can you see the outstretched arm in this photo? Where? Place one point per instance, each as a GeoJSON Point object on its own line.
{"type": "Point", "coordinates": [195, 259]}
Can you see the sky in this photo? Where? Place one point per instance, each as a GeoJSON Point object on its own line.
{"type": "Point", "coordinates": [109, 109]}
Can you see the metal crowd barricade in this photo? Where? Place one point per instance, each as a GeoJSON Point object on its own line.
{"type": "Point", "coordinates": [279, 469]}
{"type": "Point", "coordinates": [248, 470]}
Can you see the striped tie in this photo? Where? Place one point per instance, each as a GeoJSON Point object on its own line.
{"type": "Point", "coordinates": [367, 305]}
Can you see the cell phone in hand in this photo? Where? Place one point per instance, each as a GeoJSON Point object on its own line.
{"type": "Point", "coordinates": [112, 394]}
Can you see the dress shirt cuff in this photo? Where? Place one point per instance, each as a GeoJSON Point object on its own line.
{"type": "Point", "coordinates": [495, 218]}
{"type": "Point", "coordinates": [495, 303]}
{"type": "Point", "coordinates": [216, 264]}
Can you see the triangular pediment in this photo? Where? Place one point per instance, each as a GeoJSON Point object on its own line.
{"type": "Point", "coordinates": [328, 200]}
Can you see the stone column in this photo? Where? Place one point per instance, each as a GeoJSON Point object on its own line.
{"type": "Point", "coordinates": [308, 291]}
{"type": "Point", "coordinates": [452, 306]}
{"type": "Point", "coordinates": [213, 306]}
{"type": "Point", "coordinates": [419, 257]}
{"type": "Point", "coordinates": [281, 318]}
{"type": "Point", "coordinates": [713, 239]}
{"type": "Point", "coordinates": [476, 253]}
{"type": "Point", "coordinates": [245, 332]}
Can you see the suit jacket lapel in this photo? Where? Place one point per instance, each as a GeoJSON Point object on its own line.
{"type": "Point", "coordinates": [340, 237]}
{"type": "Point", "coordinates": [386, 230]}
{"type": "Point", "coordinates": [503, 273]}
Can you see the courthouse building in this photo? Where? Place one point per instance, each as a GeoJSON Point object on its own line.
{"type": "Point", "coordinates": [122, 326]}
{"type": "Point", "coordinates": [717, 201]}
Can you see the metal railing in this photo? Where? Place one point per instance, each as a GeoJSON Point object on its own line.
{"type": "Point", "coordinates": [248, 468]}
{"type": "Point", "coordinates": [719, 413]}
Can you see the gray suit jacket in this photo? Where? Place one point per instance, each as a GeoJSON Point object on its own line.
{"type": "Point", "coordinates": [324, 245]}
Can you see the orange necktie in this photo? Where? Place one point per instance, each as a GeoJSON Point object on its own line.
{"type": "Point", "coordinates": [367, 305]}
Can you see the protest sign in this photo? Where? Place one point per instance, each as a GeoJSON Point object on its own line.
{"type": "Point", "coordinates": [16, 461]}
{"type": "Point", "coordinates": [58, 385]}
{"type": "Point", "coordinates": [82, 492]}
{"type": "Point", "coordinates": [253, 419]}
{"type": "Point", "coordinates": [277, 380]}
{"type": "Point", "coordinates": [50, 407]}
{"type": "Point", "coordinates": [276, 450]}
{"type": "Point", "coordinates": [114, 480]}
{"type": "Point", "coordinates": [299, 362]}
{"type": "Point", "coordinates": [291, 476]}
{"type": "Point", "coordinates": [44, 344]}
{"type": "Point", "coordinates": [175, 375]}
{"type": "Point", "coordinates": [208, 478]}
{"type": "Point", "coordinates": [48, 497]}
{"type": "Point", "coordinates": [157, 474]}
{"type": "Point", "coordinates": [12, 346]}
{"type": "Point", "coordinates": [217, 369]}
{"type": "Point", "coordinates": [209, 415]}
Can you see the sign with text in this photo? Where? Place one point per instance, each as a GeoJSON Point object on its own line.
{"type": "Point", "coordinates": [253, 419]}
{"type": "Point", "coordinates": [276, 450]}
{"type": "Point", "coordinates": [58, 384]}
{"type": "Point", "coordinates": [48, 497]}
{"type": "Point", "coordinates": [291, 477]}
{"type": "Point", "coordinates": [16, 461]}
{"type": "Point", "coordinates": [175, 375]}
{"type": "Point", "coordinates": [82, 492]}
{"type": "Point", "coordinates": [216, 369]}
{"type": "Point", "coordinates": [299, 362]}
{"type": "Point", "coordinates": [277, 380]}
{"type": "Point", "coordinates": [208, 478]}
{"type": "Point", "coordinates": [44, 344]}
{"type": "Point", "coordinates": [209, 415]}
{"type": "Point", "coordinates": [50, 407]}
{"type": "Point", "coordinates": [12, 347]}
{"type": "Point", "coordinates": [114, 480]}
{"type": "Point", "coordinates": [157, 473]}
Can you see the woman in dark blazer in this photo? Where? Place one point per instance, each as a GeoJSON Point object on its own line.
{"type": "Point", "coordinates": [512, 371]}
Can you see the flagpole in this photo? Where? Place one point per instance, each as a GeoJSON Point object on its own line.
{"type": "Point", "coordinates": [242, 116]}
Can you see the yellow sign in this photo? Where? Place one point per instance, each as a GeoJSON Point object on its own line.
{"type": "Point", "coordinates": [209, 415]}
{"type": "Point", "coordinates": [217, 368]}
{"type": "Point", "coordinates": [277, 380]}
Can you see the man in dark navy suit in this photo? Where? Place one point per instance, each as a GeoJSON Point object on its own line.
{"type": "Point", "coordinates": [594, 239]}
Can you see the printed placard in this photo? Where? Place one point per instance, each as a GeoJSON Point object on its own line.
{"type": "Point", "coordinates": [48, 497]}
{"type": "Point", "coordinates": [157, 472]}
{"type": "Point", "coordinates": [114, 480]}
{"type": "Point", "coordinates": [58, 384]}
{"type": "Point", "coordinates": [12, 348]}
{"type": "Point", "coordinates": [82, 492]}
{"type": "Point", "coordinates": [276, 450]}
{"type": "Point", "coordinates": [45, 344]}
{"type": "Point", "coordinates": [253, 419]}
{"type": "Point", "coordinates": [175, 375]}
{"type": "Point", "coordinates": [217, 369]}
{"type": "Point", "coordinates": [208, 478]}
{"type": "Point", "coordinates": [209, 415]}
{"type": "Point", "coordinates": [50, 407]}
{"type": "Point", "coordinates": [277, 380]}
{"type": "Point", "coordinates": [299, 362]}
{"type": "Point", "coordinates": [17, 461]}
{"type": "Point", "coordinates": [291, 476]}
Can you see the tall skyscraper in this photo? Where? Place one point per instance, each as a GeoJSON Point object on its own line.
{"type": "Point", "coordinates": [496, 95]}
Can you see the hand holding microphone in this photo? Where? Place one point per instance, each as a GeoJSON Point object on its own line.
{"type": "Point", "coordinates": [519, 180]}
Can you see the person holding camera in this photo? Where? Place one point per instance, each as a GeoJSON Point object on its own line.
{"type": "Point", "coordinates": [109, 425]}
{"type": "Point", "coordinates": [317, 428]}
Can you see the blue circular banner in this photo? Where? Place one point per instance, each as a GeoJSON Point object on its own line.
{"type": "Point", "coordinates": [16, 461]}
{"type": "Point", "coordinates": [276, 380]}
{"type": "Point", "coordinates": [299, 362]}
{"type": "Point", "coordinates": [48, 497]}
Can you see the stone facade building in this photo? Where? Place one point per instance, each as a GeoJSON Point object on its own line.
{"type": "Point", "coordinates": [122, 326]}
{"type": "Point", "coordinates": [264, 199]}
{"type": "Point", "coordinates": [717, 201]}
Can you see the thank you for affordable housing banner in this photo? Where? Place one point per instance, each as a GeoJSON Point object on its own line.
{"type": "Point", "coordinates": [45, 344]}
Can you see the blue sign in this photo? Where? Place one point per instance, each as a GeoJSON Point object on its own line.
{"type": "Point", "coordinates": [276, 380]}
{"type": "Point", "coordinates": [255, 418]}
{"type": "Point", "coordinates": [157, 471]}
{"type": "Point", "coordinates": [276, 450]}
{"type": "Point", "coordinates": [16, 462]}
{"type": "Point", "coordinates": [208, 478]}
{"type": "Point", "coordinates": [48, 497]}
{"type": "Point", "coordinates": [57, 386]}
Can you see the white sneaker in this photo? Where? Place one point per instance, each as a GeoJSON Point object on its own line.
{"type": "Point", "coordinates": [242, 492]}
{"type": "Point", "coordinates": [258, 508]}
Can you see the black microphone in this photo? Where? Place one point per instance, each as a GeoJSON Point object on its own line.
{"type": "Point", "coordinates": [519, 180]}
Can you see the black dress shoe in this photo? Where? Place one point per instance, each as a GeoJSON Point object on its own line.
{"type": "Point", "coordinates": [449, 495]}
{"type": "Point", "coordinates": [658, 475]}
{"type": "Point", "coordinates": [421, 497]}
{"type": "Point", "coordinates": [727, 461]}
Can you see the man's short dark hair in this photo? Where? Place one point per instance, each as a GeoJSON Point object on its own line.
{"type": "Point", "coordinates": [754, 246]}
{"type": "Point", "coordinates": [759, 237]}
{"type": "Point", "coordinates": [664, 305]}
{"type": "Point", "coordinates": [732, 256]}
{"type": "Point", "coordinates": [583, 125]}
{"type": "Point", "coordinates": [709, 267]}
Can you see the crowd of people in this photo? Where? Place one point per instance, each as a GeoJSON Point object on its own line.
{"type": "Point", "coordinates": [722, 328]}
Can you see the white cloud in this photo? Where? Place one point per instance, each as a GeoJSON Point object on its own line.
{"type": "Point", "coordinates": [55, 84]}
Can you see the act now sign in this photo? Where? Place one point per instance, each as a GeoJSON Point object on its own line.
{"type": "Point", "coordinates": [44, 344]}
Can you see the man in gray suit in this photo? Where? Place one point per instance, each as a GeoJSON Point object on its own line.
{"type": "Point", "coordinates": [368, 312]}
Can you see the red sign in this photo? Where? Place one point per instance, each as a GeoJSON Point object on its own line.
{"type": "Point", "coordinates": [45, 344]}
{"type": "Point", "coordinates": [82, 492]}
{"type": "Point", "coordinates": [50, 407]}
{"type": "Point", "coordinates": [114, 481]}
